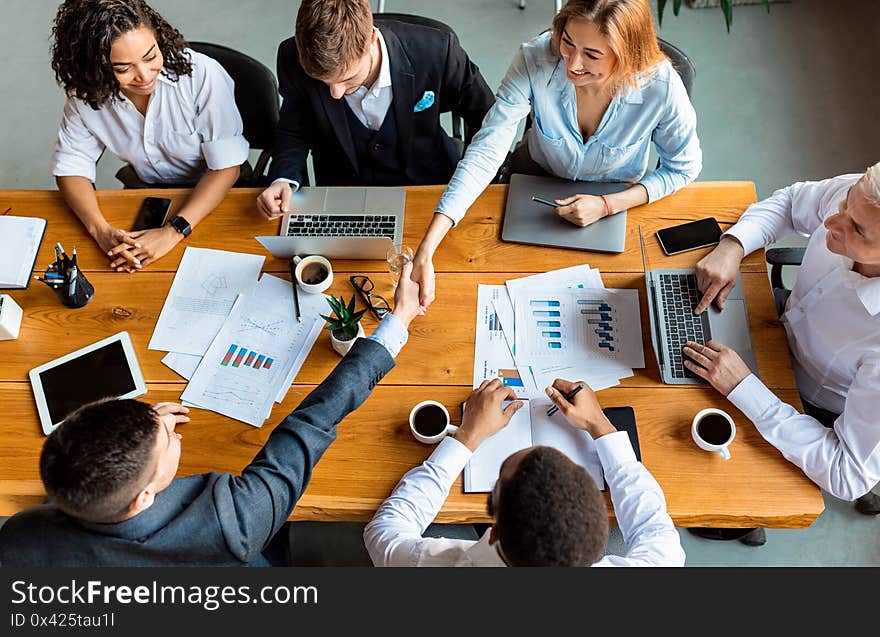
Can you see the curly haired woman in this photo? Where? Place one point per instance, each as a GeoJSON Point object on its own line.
{"type": "Point", "coordinates": [134, 88]}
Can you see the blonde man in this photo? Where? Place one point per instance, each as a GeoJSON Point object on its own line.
{"type": "Point", "coordinates": [833, 331]}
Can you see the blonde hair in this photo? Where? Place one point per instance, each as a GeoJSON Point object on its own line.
{"type": "Point", "coordinates": [629, 27]}
{"type": "Point", "coordinates": [872, 184]}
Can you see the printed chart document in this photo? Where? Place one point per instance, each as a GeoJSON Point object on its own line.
{"type": "Point", "coordinates": [531, 426]}
{"type": "Point", "coordinates": [201, 297]}
{"type": "Point", "coordinates": [257, 352]}
{"type": "Point", "coordinates": [20, 239]}
{"type": "Point", "coordinates": [492, 357]}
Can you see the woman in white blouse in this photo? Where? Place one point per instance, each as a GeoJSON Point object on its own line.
{"type": "Point", "coordinates": [134, 88]}
{"type": "Point", "coordinates": [601, 94]}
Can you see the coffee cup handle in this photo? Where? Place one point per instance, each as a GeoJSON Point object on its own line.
{"type": "Point", "coordinates": [724, 452]}
{"type": "Point", "coordinates": [296, 259]}
{"type": "Point", "coordinates": [451, 429]}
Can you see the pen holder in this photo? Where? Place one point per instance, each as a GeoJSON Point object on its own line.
{"type": "Point", "coordinates": [82, 291]}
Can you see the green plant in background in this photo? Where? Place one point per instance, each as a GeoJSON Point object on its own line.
{"type": "Point", "coordinates": [726, 6]}
{"type": "Point", "coordinates": [344, 325]}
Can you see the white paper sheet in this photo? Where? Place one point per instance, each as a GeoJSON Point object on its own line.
{"type": "Point", "coordinates": [492, 357]}
{"type": "Point", "coordinates": [201, 296]}
{"type": "Point", "coordinates": [19, 244]}
{"type": "Point", "coordinates": [484, 466]}
{"type": "Point", "coordinates": [554, 431]}
{"type": "Point", "coordinates": [257, 352]}
{"type": "Point", "coordinates": [182, 364]}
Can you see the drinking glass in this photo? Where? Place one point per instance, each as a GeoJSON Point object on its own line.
{"type": "Point", "coordinates": [398, 256]}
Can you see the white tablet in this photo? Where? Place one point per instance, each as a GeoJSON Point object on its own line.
{"type": "Point", "coordinates": [106, 369]}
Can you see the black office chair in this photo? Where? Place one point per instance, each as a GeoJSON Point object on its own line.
{"type": "Point", "coordinates": [778, 258]}
{"type": "Point", "coordinates": [256, 96]}
{"type": "Point", "coordinates": [462, 133]}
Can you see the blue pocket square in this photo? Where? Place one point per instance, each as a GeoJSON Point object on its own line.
{"type": "Point", "coordinates": [425, 103]}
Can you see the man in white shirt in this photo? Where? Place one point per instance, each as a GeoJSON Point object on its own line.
{"type": "Point", "coordinates": [546, 510]}
{"type": "Point", "coordinates": [833, 331]}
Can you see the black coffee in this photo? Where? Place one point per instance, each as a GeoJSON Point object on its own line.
{"type": "Point", "coordinates": [430, 420]}
{"type": "Point", "coordinates": [714, 429]}
{"type": "Point", "coordinates": [314, 273]}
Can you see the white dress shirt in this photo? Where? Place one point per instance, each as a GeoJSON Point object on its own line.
{"type": "Point", "coordinates": [369, 105]}
{"type": "Point", "coordinates": [394, 536]}
{"type": "Point", "coordinates": [191, 125]}
{"type": "Point", "coordinates": [834, 336]}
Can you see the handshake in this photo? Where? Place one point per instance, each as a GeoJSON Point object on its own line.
{"type": "Point", "coordinates": [407, 304]}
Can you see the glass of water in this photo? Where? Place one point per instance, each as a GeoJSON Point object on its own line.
{"type": "Point", "coordinates": [399, 255]}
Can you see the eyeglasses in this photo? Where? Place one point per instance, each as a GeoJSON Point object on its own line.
{"type": "Point", "coordinates": [377, 303]}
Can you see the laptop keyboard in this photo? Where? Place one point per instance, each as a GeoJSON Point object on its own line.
{"type": "Point", "coordinates": [679, 296]}
{"type": "Point", "coordinates": [341, 226]}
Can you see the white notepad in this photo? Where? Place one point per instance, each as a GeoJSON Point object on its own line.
{"type": "Point", "coordinates": [20, 239]}
{"type": "Point", "coordinates": [531, 426]}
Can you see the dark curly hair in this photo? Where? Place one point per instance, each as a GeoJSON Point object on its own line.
{"type": "Point", "coordinates": [84, 31]}
{"type": "Point", "coordinates": [94, 464]}
{"type": "Point", "coordinates": [550, 513]}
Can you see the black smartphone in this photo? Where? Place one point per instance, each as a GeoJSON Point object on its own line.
{"type": "Point", "coordinates": [690, 236]}
{"type": "Point", "coordinates": [153, 214]}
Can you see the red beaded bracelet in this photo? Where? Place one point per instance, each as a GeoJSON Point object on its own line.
{"type": "Point", "coordinates": [607, 207]}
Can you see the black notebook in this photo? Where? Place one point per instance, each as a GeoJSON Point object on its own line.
{"type": "Point", "coordinates": [624, 419]}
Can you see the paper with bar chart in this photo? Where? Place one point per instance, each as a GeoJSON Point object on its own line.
{"type": "Point", "coordinates": [257, 352]}
{"type": "Point", "coordinates": [492, 356]}
{"type": "Point", "coordinates": [596, 329]}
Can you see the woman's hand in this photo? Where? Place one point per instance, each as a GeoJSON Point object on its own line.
{"type": "Point", "coordinates": [151, 245]}
{"type": "Point", "coordinates": [423, 274]}
{"type": "Point", "coordinates": [118, 244]}
{"type": "Point", "coordinates": [581, 210]}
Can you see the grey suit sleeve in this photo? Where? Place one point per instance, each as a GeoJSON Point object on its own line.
{"type": "Point", "coordinates": [253, 506]}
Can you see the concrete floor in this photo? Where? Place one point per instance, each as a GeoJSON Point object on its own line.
{"type": "Point", "coordinates": [783, 97]}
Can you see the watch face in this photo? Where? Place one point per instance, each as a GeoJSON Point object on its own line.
{"type": "Point", "coordinates": [181, 225]}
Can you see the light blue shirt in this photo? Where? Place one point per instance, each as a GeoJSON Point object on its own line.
{"type": "Point", "coordinates": [659, 111]}
{"type": "Point", "coordinates": [391, 334]}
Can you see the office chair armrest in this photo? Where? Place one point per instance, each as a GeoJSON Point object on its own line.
{"type": "Point", "coordinates": [778, 257]}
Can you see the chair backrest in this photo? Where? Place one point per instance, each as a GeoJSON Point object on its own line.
{"type": "Point", "coordinates": [680, 62]}
{"type": "Point", "coordinates": [256, 92]}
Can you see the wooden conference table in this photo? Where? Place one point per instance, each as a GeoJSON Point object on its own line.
{"type": "Point", "coordinates": [374, 448]}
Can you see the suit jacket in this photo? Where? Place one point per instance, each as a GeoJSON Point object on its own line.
{"type": "Point", "coordinates": [215, 519]}
{"type": "Point", "coordinates": [422, 59]}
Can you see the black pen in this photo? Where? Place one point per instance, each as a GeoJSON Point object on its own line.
{"type": "Point", "coordinates": [567, 396]}
{"type": "Point", "coordinates": [546, 202]}
{"type": "Point", "coordinates": [295, 291]}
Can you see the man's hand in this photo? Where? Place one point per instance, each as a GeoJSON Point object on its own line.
{"type": "Point", "coordinates": [423, 274]}
{"type": "Point", "coordinates": [178, 411]}
{"type": "Point", "coordinates": [116, 243]}
{"type": "Point", "coordinates": [581, 210]}
{"type": "Point", "coordinates": [406, 297]}
{"type": "Point", "coordinates": [151, 245]}
{"type": "Point", "coordinates": [484, 414]}
{"type": "Point", "coordinates": [275, 200]}
{"type": "Point", "coordinates": [716, 363]}
{"type": "Point", "coordinates": [583, 411]}
{"type": "Point", "coordinates": [716, 273]}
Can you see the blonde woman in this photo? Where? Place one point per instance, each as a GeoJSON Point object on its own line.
{"type": "Point", "coordinates": [599, 92]}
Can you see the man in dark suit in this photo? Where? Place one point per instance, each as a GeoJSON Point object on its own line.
{"type": "Point", "coordinates": [114, 501]}
{"type": "Point", "coordinates": [366, 102]}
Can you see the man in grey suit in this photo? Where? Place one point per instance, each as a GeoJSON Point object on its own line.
{"type": "Point", "coordinates": [109, 472]}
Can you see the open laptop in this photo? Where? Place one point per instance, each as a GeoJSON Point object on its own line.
{"type": "Point", "coordinates": [672, 297]}
{"type": "Point", "coordinates": [527, 221]}
{"type": "Point", "coordinates": [340, 223]}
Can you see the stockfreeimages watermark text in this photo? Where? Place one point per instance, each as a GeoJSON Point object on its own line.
{"type": "Point", "coordinates": [209, 598]}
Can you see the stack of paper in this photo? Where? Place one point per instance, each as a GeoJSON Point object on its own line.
{"type": "Point", "coordinates": [558, 324]}
{"type": "Point", "coordinates": [234, 337]}
{"type": "Point", "coordinates": [20, 239]}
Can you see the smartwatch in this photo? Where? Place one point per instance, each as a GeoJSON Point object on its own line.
{"type": "Point", "coordinates": [181, 225]}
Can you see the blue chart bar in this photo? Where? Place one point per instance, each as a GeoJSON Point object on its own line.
{"type": "Point", "coordinates": [605, 335]}
{"type": "Point", "coordinates": [605, 317]}
{"type": "Point", "coordinates": [494, 323]}
{"type": "Point", "coordinates": [552, 334]}
{"type": "Point", "coordinates": [544, 303]}
{"type": "Point", "coordinates": [549, 324]}
{"type": "Point", "coordinates": [607, 346]}
{"type": "Point", "coordinates": [546, 313]}
{"type": "Point", "coordinates": [605, 326]}
{"type": "Point", "coordinates": [554, 345]}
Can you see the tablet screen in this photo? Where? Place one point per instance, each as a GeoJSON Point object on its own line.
{"type": "Point", "coordinates": [101, 373]}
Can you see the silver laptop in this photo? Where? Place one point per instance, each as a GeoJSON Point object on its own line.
{"type": "Point", "coordinates": [672, 297]}
{"type": "Point", "coordinates": [340, 223]}
{"type": "Point", "coordinates": [527, 221]}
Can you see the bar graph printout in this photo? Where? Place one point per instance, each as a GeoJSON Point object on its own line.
{"type": "Point", "coordinates": [257, 353]}
{"type": "Point", "coordinates": [492, 357]}
{"type": "Point", "coordinates": [597, 327]}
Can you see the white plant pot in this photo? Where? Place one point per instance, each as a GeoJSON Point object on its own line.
{"type": "Point", "coordinates": [342, 347]}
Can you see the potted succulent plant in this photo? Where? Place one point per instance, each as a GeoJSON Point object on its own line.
{"type": "Point", "coordinates": [345, 326]}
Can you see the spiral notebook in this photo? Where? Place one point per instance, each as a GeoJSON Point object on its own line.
{"type": "Point", "coordinates": [20, 239]}
{"type": "Point", "coordinates": [531, 426]}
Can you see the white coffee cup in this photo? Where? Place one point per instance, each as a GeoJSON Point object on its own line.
{"type": "Point", "coordinates": [310, 286]}
{"type": "Point", "coordinates": [713, 430]}
{"type": "Point", "coordinates": [436, 434]}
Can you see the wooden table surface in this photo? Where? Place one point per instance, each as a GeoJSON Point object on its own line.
{"type": "Point", "coordinates": [374, 448]}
